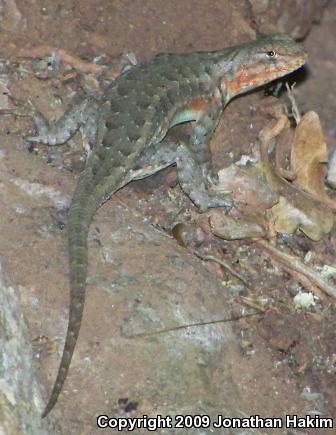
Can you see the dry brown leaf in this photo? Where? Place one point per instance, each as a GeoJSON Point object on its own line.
{"type": "Point", "coordinates": [309, 156]}
{"type": "Point", "coordinates": [259, 192]}
{"type": "Point", "coordinates": [297, 210]}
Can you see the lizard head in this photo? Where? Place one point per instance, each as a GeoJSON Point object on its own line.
{"type": "Point", "coordinates": [256, 63]}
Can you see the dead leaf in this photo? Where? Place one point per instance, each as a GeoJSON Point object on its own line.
{"type": "Point", "coordinates": [298, 212]}
{"type": "Point", "coordinates": [297, 209]}
{"type": "Point", "coordinates": [309, 156]}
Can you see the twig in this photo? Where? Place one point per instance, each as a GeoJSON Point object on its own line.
{"type": "Point", "coordinates": [240, 299]}
{"type": "Point", "coordinates": [224, 264]}
{"type": "Point", "coordinates": [192, 325]}
{"type": "Point", "coordinates": [299, 270]}
{"type": "Point", "coordinates": [295, 110]}
{"type": "Point", "coordinates": [14, 112]}
{"type": "Point", "coordinates": [250, 303]}
{"type": "Point", "coordinates": [46, 50]}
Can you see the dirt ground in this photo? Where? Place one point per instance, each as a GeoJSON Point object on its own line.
{"type": "Point", "coordinates": [268, 359]}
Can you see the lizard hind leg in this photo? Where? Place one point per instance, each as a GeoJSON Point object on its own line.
{"type": "Point", "coordinates": [82, 115]}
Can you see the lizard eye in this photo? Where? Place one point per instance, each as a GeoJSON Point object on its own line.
{"type": "Point", "coordinates": [271, 53]}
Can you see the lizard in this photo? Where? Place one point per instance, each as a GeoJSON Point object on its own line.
{"type": "Point", "coordinates": [127, 133]}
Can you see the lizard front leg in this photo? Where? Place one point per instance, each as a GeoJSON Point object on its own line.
{"type": "Point", "coordinates": [189, 171]}
{"type": "Point", "coordinates": [200, 139]}
{"type": "Point", "coordinates": [194, 179]}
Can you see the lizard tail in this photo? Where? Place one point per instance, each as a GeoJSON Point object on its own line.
{"type": "Point", "coordinates": [81, 212]}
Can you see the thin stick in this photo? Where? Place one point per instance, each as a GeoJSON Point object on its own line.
{"type": "Point", "coordinates": [297, 268]}
{"type": "Point", "coordinates": [295, 110]}
{"type": "Point", "coordinates": [192, 325]}
{"type": "Point", "coordinates": [224, 264]}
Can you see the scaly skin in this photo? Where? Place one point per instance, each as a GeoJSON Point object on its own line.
{"type": "Point", "coordinates": [129, 143]}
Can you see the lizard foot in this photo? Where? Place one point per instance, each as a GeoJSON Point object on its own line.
{"type": "Point", "coordinates": [212, 201]}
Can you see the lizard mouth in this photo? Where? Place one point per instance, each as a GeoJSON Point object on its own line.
{"type": "Point", "coordinates": [286, 67]}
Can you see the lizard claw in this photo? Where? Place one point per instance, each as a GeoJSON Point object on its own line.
{"type": "Point", "coordinates": [226, 202]}
{"type": "Point", "coordinates": [214, 201]}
